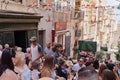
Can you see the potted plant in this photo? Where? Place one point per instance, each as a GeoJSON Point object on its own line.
{"type": "Point", "coordinates": [118, 53]}
{"type": "Point", "coordinates": [75, 52]}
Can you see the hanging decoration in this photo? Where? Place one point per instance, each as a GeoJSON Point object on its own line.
{"type": "Point", "coordinates": [103, 7]}
{"type": "Point", "coordinates": [62, 5]}
{"type": "Point", "coordinates": [115, 14]}
{"type": "Point", "coordinates": [33, 4]}
{"type": "Point", "coordinates": [118, 0]}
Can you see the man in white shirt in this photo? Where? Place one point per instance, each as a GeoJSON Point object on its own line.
{"type": "Point", "coordinates": [78, 65]}
{"type": "Point", "coordinates": [36, 50]}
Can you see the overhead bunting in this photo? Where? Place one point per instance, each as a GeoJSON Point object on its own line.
{"type": "Point", "coordinates": [115, 14]}
{"type": "Point", "coordinates": [33, 4]}
{"type": "Point", "coordinates": [93, 6]}
{"type": "Point", "coordinates": [118, 0]}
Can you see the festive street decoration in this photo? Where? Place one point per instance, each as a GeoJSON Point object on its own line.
{"type": "Point", "coordinates": [90, 5]}
{"type": "Point", "coordinates": [33, 4]}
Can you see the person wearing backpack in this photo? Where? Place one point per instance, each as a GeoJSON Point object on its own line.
{"type": "Point", "coordinates": [36, 50]}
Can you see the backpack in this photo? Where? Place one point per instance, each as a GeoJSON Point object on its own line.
{"type": "Point", "coordinates": [39, 48]}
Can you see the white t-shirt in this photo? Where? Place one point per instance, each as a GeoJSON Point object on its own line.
{"type": "Point", "coordinates": [34, 51]}
{"type": "Point", "coordinates": [77, 67]}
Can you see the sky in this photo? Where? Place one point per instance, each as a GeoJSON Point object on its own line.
{"type": "Point", "coordinates": [115, 3]}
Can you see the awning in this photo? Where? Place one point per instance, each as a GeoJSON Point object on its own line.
{"type": "Point", "coordinates": [18, 17]}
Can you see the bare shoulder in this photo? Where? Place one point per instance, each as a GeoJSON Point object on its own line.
{"type": "Point", "coordinates": [45, 78]}
{"type": "Point", "coordinates": [45, 73]}
{"type": "Point", "coordinates": [8, 75]}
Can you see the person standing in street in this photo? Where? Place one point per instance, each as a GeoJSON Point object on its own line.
{"type": "Point", "coordinates": [7, 67]}
{"type": "Point", "coordinates": [6, 46]}
{"type": "Point", "coordinates": [58, 48]}
{"type": "Point", "coordinates": [36, 50]}
{"type": "Point", "coordinates": [48, 50]}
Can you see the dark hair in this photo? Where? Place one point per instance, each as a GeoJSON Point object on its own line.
{"type": "Point", "coordinates": [56, 47]}
{"type": "Point", "coordinates": [108, 75]}
{"type": "Point", "coordinates": [61, 62]}
{"type": "Point", "coordinates": [96, 64]}
{"type": "Point", "coordinates": [88, 73]}
{"type": "Point", "coordinates": [6, 61]}
{"type": "Point", "coordinates": [101, 69]}
{"type": "Point", "coordinates": [12, 52]}
{"type": "Point", "coordinates": [110, 66]}
{"type": "Point", "coordinates": [88, 63]}
{"type": "Point", "coordinates": [35, 65]}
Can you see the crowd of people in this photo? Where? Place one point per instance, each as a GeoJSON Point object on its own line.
{"type": "Point", "coordinates": [51, 63]}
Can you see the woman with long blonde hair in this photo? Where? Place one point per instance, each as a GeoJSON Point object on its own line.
{"type": "Point", "coordinates": [21, 68]}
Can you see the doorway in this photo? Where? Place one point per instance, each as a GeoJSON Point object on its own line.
{"type": "Point", "coordinates": [42, 38]}
{"type": "Point", "coordinates": [20, 39]}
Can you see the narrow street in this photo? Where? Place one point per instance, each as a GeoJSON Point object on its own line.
{"type": "Point", "coordinates": [59, 39]}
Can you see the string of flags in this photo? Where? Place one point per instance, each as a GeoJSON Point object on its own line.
{"type": "Point", "coordinates": [93, 6]}
{"type": "Point", "coordinates": [35, 3]}
{"type": "Point", "coordinates": [53, 6]}
{"type": "Point", "coordinates": [115, 14]}
{"type": "Point", "coordinates": [118, 0]}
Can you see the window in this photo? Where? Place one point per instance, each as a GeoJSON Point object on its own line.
{"type": "Point", "coordinates": [7, 37]}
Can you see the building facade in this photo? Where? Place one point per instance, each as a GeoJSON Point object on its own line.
{"type": "Point", "coordinates": [53, 26]}
{"type": "Point", "coordinates": [18, 23]}
{"type": "Point", "coordinates": [61, 21]}
{"type": "Point", "coordinates": [98, 25]}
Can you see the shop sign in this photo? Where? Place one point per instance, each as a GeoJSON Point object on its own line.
{"type": "Point", "coordinates": [60, 26]}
